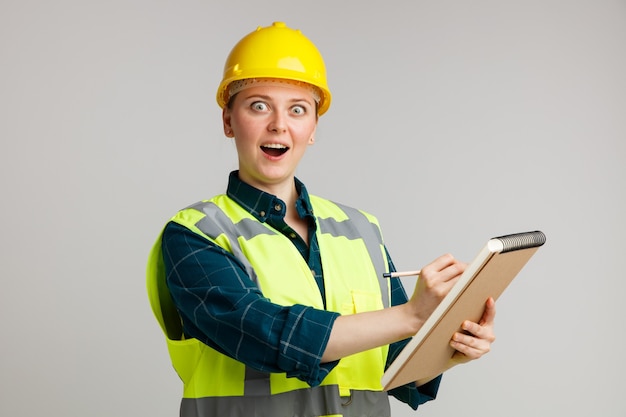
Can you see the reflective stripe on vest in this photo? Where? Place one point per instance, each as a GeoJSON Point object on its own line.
{"type": "Point", "coordinates": [351, 247]}
{"type": "Point", "coordinates": [318, 401]}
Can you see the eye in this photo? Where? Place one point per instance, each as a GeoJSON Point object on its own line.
{"type": "Point", "coordinates": [298, 110]}
{"type": "Point", "coordinates": [259, 106]}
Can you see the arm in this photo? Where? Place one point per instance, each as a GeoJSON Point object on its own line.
{"type": "Point", "coordinates": [358, 332]}
{"type": "Point", "coordinates": [223, 308]}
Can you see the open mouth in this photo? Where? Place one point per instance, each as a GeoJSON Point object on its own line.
{"type": "Point", "coordinates": [274, 149]}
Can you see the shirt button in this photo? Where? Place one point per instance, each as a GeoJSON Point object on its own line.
{"type": "Point", "coordinates": [278, 207]}
{"type": "Point", "coordinates": [312, 272]}
{"type": "Point", "coordinates": [262, 213]}
{"type": "Point", "coordinates": [292, 235]}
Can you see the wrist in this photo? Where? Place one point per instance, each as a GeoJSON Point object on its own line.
{"type": "Point", "coordinates": [411, 319]}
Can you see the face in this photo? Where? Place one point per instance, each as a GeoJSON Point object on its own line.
{"type": "Point", "coordinates": [272, 127]}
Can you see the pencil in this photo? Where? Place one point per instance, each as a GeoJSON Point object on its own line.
{"type": "Point", "coordinates": [401, 274]}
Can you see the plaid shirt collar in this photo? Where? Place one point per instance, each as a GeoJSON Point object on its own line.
{"type": "Point", "coordinates": [260, 204]}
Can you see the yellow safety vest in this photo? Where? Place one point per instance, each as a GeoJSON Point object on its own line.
{"type": "Point", "coordinates": [354, 261]}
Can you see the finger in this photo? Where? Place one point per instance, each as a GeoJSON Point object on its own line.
{"type": "Point", "coordinates": [478, 331]}
{"type": "Point", "coordinates": [489, 314]}
{"type": "Point", "coordinates": [469, 346]}
{"type": "Point", "coordinates": [454, 270]}
{"type": "Point", "coordinates": [469, 352]}
{"type": "Point", "coordinates": [446, 267]}
{"type": "Point", "coordinates": [442, 262]}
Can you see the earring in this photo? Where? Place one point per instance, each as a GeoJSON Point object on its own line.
{"type": "Point", "coordinates": [311, 141]}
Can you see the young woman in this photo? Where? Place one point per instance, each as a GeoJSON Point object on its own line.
{"type": "Point", "coordinates": [273, 300]}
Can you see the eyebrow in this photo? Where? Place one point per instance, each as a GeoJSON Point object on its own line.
{"type": "Point", "coordinates": [310, 101]}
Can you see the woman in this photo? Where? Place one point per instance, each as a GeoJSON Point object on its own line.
{"type": "Point", "coordinates": [272, 300]}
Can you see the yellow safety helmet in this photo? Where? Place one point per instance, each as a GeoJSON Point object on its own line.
{"type": "Point", "coordinates": [276, 52]}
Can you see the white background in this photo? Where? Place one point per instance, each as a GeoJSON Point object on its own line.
{"type": "Point", "coordinates": [452, 121]}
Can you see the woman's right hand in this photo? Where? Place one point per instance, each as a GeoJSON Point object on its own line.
{"type": "Point", "coordinates": [435, 281]}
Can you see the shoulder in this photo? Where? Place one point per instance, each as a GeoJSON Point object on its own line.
{"type": "Point", "coordinates": [219, 200]}
{"type": "Point", "coordinates": [324, 206]}
{"type": "Point", "coordinates": [177, 235]}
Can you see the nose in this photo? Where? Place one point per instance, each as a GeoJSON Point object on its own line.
{"type": "Point", "coordinates": [277, 124]}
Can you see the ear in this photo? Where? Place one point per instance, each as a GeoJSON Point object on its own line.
{"type": "Point", "coordinates": [312, 138]}
{"type": "Point", "coordinates": [228, 130]}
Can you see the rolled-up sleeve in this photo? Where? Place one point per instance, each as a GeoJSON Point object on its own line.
{"type": "Point", "coordinates": [409, 393]}
{"type": "Point", "coordinates": [222, 307]}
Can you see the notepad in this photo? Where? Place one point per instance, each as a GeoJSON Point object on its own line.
{"type": "Point", "coordinates": [488, 275]}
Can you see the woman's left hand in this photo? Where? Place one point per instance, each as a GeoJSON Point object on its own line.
{"type": "Point", "coordinates": [478, 337]}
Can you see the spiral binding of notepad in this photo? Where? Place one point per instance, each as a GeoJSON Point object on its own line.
{"type": "Point", "coordinates": [519, 241]}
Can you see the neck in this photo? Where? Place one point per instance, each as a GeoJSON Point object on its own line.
{"type": "Point", "coordinates": [285, 190]}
